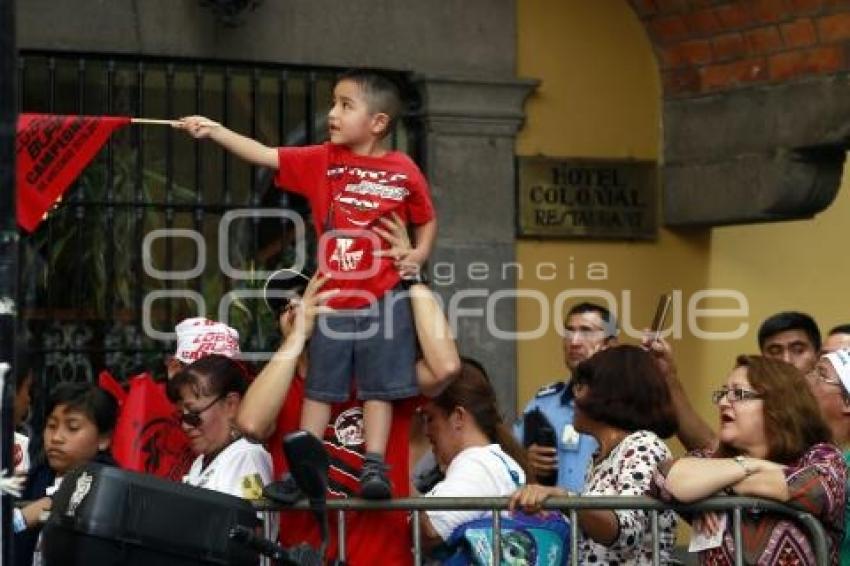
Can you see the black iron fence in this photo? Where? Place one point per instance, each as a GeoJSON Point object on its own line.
{"type": "Point", "coordinates": [138, 241]}
{"type": "Point", "coordinates": [735, 506]}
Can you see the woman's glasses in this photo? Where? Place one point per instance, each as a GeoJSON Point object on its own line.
{"type": "Point", "coordinates": [820, 374]}
{"type": "Point", "coordinates": [733, 395]}
{"type": "Point", "coordinates": [193, 418]}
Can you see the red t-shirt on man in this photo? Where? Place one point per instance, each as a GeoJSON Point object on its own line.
{"type": "Point", "coordinates": [371, 536]}
{"type": "Point", "coordinates": [347, 194]}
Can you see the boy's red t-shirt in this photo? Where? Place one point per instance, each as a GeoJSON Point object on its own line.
{"type": "Point", "coordinates": [371, 536]}
{"type": "Point", "coordinates": [347, 194]}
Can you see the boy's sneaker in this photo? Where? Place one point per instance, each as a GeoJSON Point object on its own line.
{"type": "Point", "coordinates": [285, 491]}
{"type": "Point", "coordinates": [373, 480]}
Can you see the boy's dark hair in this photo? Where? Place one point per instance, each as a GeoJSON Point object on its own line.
{"type": "Point", "coordinates": [789, 320]}
{"type": "Point", "coordinates": [606, 316]}
{"type": "Point", "coordinates": [99, 406]}
{"type": "Point", "coordinates": [840, 329]}
{"type": "Point", "coordinates": [381, 92]}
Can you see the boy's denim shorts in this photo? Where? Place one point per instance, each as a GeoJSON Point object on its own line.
{"type": "Point", "coordinates": [375, 345]}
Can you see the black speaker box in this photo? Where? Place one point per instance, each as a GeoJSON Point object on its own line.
{"type": "Point", "coordinates": [106, 516]}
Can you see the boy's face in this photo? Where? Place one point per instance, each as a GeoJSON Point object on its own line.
{"type": "Point", "coordinates": [71, 439]}
{"type": "Point", "coordinates": [350, 120]}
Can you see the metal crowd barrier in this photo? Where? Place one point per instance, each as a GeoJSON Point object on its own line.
{"type": "Point", "coordinates": [570, 505]}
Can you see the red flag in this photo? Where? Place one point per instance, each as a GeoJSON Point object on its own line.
{"type": "Point", "coordinates": [148, 437]}
{"type": "Point", "coordinates": [51, 151]}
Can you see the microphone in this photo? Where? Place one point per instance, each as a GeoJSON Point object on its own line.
{"type": "Point", "coordinates": [264, 546]}
{"type": "Point", "coordinates": [301, 555]}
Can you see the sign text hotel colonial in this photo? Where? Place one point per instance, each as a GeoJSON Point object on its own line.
{"type": "Point", "coordinates": [587, 198]}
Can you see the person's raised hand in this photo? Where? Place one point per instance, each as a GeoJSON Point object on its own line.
{"type": "Point", "coordinates": [300, 314]}
{"type": "Point", "coordinates": [407, 259]}
{"type": "Point", "coordinates": [661, 351]}
{"type": "Point", "coordinates": [198, 127]}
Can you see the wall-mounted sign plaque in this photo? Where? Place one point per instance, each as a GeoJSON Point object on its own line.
{"type": "Point", "coordinates": [586, 198]}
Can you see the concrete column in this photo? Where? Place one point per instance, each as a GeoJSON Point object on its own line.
{"type": "Point", "coordinates": [470, 128]}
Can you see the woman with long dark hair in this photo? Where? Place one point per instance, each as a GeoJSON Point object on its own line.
{"type": "Point", "coordinates": [474, 446]}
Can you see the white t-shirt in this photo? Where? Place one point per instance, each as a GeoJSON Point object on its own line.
{"type": "Point", "coordinates": [241, 469]}
{"type": "Point", "coordinates": [21, 456]}
{"type": "Point", "coordinates": [479, 471]}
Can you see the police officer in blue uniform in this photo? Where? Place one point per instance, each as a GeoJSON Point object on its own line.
{"type": "Point", "coordinates": [558, 454]}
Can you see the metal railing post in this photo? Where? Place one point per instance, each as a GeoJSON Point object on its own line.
{"type": "Point", "coordinates": [340, 534]}
{"type": "Point", "coordinates": [656, 543]}
{"type": "Point", "coordinates": [571, 505]}
{"type": "Point", "coordinates": [417, 539]}
{"type": "Point", "coordinates": [573, 537]}
{"type": "Point", "coordinates": [736, 534]}
{"type": "Point", "coordinates": [497, 538]}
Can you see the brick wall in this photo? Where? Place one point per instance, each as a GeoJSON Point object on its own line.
{"type": "Point", "coordinates": [706, 46]}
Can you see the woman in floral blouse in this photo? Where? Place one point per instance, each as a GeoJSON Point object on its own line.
{"type": "Point", "coordinates": [774, 444]}
{"type": "Point", "coordinates": [622, 400]}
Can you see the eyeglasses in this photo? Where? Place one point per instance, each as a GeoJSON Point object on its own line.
{"type": "Point", "coordinates": [819, 374]}
{"type": "Point", "coordinates": [583, 333]}
{"type": "Point", "coordinates": [193, 418]}
{"type": "Point", "coordinates": [733, 395]}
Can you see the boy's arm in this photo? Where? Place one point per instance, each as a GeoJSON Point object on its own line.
{"type": "Point", "coordinates": [244, 147]}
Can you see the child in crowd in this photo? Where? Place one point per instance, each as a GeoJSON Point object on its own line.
{"type": "Point", "coordinates": [352, 181]}
{"type": "Point", "coordinates": [80, 421]}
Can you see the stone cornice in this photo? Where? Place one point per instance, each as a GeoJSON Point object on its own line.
{"type": "Point", "coordinates": [473, 106]}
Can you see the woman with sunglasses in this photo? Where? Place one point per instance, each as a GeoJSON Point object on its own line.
{"type": "Point", "coordinates": [207, 394]}
{"type": "Point", "coordinates": [772, 443]}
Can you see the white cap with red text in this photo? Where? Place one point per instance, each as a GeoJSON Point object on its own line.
{"type": "Point", "coordinates": [199, 337]}
{"type": "Point", "coordinates": [840, 360]}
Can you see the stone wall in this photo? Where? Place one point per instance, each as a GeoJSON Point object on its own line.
{"type": "Point", "coordinates": [755, 106]}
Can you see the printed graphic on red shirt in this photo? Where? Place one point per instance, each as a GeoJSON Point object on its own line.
{"type": "Point", "coordinates": [348, 193]}
{"type": "Point", "coordinates": [370, 535]}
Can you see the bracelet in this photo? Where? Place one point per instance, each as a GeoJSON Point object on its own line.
{"type": "Point", "coordinates": [418, 278]}
{"type": "Point", "coordinates": [741, 461]}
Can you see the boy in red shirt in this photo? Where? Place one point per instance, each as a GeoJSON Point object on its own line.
{"type": "Point", "coordinates": [352, 181]}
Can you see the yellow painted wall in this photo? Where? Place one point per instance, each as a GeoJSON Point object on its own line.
{"type": "Point", "coordinates": [800, 265]}
{"type": "Point", "coordinates": [600, 97]}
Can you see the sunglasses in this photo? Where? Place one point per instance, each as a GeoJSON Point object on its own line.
{"type": "Point", "coordinates": [193, 418]}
